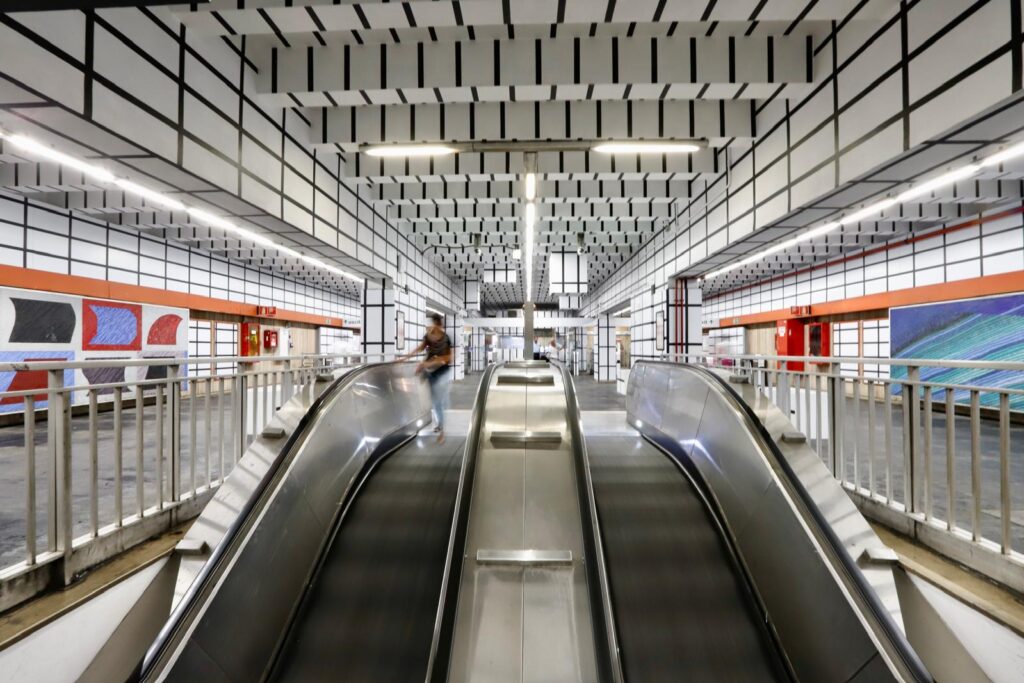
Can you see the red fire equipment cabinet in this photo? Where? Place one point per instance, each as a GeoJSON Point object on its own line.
{"type": "Point", "coordinates": [789, 341]}
{"type": "Point", "coordinates": [250, 339]}
{"type": "Point", "coordinates": [270, 340]}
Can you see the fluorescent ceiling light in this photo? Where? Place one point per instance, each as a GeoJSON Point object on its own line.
{"type": "Point", "coordinates": [641, 147]}
{"type": "Point", "coordinates": [530, 218]}
{"type": "Point", "coordinates": [151, 195]}
{"type": "Point", "coordinates": [940, 181]}
{"type": "Point", "coordinates": [1010, 152]}
{"type": "Point", "coordinates": [924, 188]}
{"type": "Point", "coordinates": [32, 146]}
{"type": "Point", "coordinates": [867, 211]}
{"type": "Point", "coordinates": [389, 151]}
{"type": "Point", "coordinates": [38, 149]}
{"type": "Point", "coordinates": [531, 187]}
{"type": "Point", "coordinates": [620, 312]}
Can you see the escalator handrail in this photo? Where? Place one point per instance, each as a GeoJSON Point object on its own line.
{"type": "Point", "coordinates": [605, 634]}
{"type": "Point", "coordinates": [439, 660]}
{"type": "Point", "coordinates": [228, 542]}
{"type": "Point", "coordinates": [885, 628]}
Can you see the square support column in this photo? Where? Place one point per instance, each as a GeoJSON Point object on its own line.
{"type": "Point", "coordinates": [604, 360]}
{"type": "Point", "coordinates": [378, 308]}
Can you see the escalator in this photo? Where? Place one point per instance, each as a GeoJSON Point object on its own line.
{"type": "Point", "coordinates": [682, 608]}
{"type": "Point", "coordinates": [371, 607]}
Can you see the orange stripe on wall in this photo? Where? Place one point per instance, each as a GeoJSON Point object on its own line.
{"type": "Point", "coordinates": [988, 285]}
{"type": "Point", "coordinates": [41, 280]}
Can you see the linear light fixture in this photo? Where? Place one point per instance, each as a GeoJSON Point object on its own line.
{"type": "Point", "coordinates": [647, 147]}
{"type": "Point", "coordinates": [403, 151]}
{"type": "Point", "coordinates": [530, 218]}
{"type": "Point", "coordinates": [530, 187]}
{"type": "Point", "coordinates": [150, 195]}
{"type": "Point", "coordinates": [38, 149]}
{"type": "Point", "coordinates": [966, 171]}
{"type": "Point", "coordinates": [620, 312]}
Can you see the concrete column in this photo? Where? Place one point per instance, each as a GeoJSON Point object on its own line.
{"type": "Point", "coordinates": [378, 307]}
{"type": "Point", "coordinates": [454, 330]}
{"type": "Point", "coordinates": [528, 331]}
{"type": "Point", "coordinates": [604, 359]}
{"type": "Point", "coordinates": [477, 350]}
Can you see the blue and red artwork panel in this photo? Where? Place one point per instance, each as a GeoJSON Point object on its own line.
{"type": "Point", "coordinates": [23, 380]}
{"type": "Point", "coordinates": [111, 326]}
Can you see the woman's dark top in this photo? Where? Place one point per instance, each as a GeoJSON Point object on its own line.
{"type": "Point", "coordinates": [438, 347]}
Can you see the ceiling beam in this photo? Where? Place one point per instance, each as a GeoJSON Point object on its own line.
{"type": "Point", "coordinates": [347, 128]}
{"type": "Point", "coordinates": [559, 68]}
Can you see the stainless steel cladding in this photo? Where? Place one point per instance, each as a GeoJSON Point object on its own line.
{"type": "Point", "coordinates": [267, 568]}
{"type": "Point", "coordinates": [810, 589]}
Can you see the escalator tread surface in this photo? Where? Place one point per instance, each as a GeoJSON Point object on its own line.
{"type": "Point", "coordinates": [681, 610]}
{"type": "Point", "coordinates": [369, 615]}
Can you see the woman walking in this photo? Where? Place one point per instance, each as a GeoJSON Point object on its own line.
{"type": "Point", "coordinates": [436, 367]}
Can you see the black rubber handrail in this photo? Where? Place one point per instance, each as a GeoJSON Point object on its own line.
{"type": "Point", "coordinates": [601, 612]}
{"type": "Point", "coordinates": [898, 644]}
{"type": "Point", "coordinates": [439, 660]}
{"type": "Point", "coordinates": [228, 542]}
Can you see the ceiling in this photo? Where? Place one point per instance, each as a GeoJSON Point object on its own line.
{"type": "Point", "coordinates": [517, 73]}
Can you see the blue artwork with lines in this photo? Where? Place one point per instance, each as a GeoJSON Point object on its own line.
{"type": "Point", "coordinates": [114, 326]}
{"type": "Point", "coordinates": [990, 329]}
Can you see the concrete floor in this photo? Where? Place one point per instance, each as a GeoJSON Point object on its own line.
{"type": "Point", "coordinates": [13, 490]}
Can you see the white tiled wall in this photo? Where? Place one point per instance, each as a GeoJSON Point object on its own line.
{"type": "Point", "coordinates": [996, 246]}
{"type": "Point", "coordinates": [847, 123]}
{"type": "Point", "coordinates": [43, 237]}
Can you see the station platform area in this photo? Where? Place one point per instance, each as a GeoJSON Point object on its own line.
{"type": "Point", "coordinates": [478, 340]}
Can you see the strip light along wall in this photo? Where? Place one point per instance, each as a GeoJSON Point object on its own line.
{"type": "Point", "coordinates": [914, 192]}
{"type": "Point", "coordinates": [100, 174]}
{"type": "Point", "coordinates": [530, 218]}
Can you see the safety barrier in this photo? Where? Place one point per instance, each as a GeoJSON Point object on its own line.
{"type": "Point", "coordinates": [141, 446]}
{"type": "Point", "coordinates": [902, 459]}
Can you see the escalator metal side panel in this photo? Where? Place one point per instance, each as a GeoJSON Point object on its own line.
{"type": "Point", "coordinates": [797, 576]}
{"type": "Point", "coordinates": [270, 561]}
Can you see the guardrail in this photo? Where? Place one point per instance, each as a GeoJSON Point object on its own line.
{"type": "Point", "coordinates": [926, 449]}
{"type": "Point", "coordinates": [144, 450]}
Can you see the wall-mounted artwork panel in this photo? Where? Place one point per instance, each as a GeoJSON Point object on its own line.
{"type": "Point", "coordinates": [987, 329]}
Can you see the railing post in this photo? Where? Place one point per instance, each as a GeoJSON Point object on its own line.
{"type": "Point", "coordinates": [835, 402]}
{"type": "Point", "coordinates": [174, 410]}
{"type": "Point", "coordinates": [60, 451]}
{"type": "Point", "coordinates": [912, 455]}
{"type": "Point", "coordinates": [241, 391]}
{"type": "Point", "coordinates": [782, 389]}
{"type": "Point", "coordinates": [287, 383]}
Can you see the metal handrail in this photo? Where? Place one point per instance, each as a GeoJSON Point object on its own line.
{"type": "Point", "coordinates": [184, 360]}
{"type": "Point", "coordinates": [231, 536]}
{"type": "Point", "coordinates": [858, 360]}
{"type": "Point", "coordinates": [439, 660]}
{"type": "Point", "coordinates": [597, 571]}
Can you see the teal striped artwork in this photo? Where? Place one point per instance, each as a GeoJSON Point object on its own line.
{"type": "Point", "coordinates": [988, 329]}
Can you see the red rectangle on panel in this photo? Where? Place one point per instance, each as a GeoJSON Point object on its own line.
{"type": "Point", "coordinates": [111, 326]}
